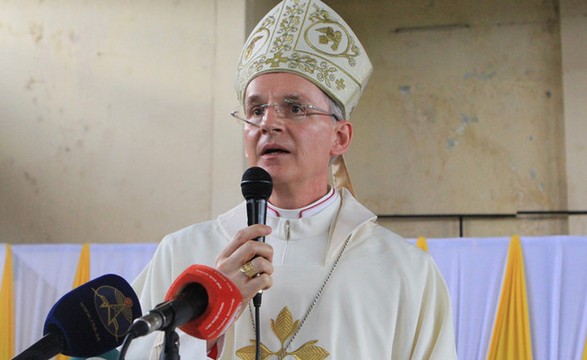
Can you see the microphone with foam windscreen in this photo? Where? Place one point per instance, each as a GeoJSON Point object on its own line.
{"type": "Point", "coordinates": [202, 302]}
{"type": "Point", "coordinates": [87, 321]}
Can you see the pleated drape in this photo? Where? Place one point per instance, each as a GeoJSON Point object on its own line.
{"type": "Point", "coordinates": [474, 270]}
{"type": "Point", "coordinates": [7, 309]}
{"type": "Point", "coordinates": [82, 274]}
{"type": "Point", "coordinates": [422, 244]}
{"type": "Point", "coordinates": [511, 332]}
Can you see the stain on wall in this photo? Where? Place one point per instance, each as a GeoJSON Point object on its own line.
{"type": "Point", "coordinates": [458, 89]}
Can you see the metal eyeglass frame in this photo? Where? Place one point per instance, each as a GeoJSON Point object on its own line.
{"type": "Point", "coordinates": [277, 106]}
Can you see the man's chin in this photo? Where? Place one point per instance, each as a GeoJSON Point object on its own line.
{"type": "Point", "coordinates": [279, 174]}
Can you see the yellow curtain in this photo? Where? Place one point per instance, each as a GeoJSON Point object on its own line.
{"type": "Point", "coordinates": [6, 309]}
{"type": "Point", "coordinates": [422, 244]}
{"type": "Point", "coordinates": [511, 331]}
{"type": "Point", "coordinates": [585, 351]}
{"type": "Point", "coordinates": [82, 276]}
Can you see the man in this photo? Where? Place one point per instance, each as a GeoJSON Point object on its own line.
{"type": "Point", "coordinates": [338, 286]}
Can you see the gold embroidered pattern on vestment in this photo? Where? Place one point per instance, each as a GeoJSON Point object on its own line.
{"type": "Point", "coordinates": [284, 327]}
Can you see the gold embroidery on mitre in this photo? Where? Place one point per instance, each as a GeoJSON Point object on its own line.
{"type": "Point", "coordinates": [284, 327]}
{"type": "Point", "coordinates": [332, 31]}
{"type": "Point", "coordinates": [288, 32]}
{"type": "Point", "coordinates": [330, 35]}
{"type": "Point", "coordinates": [309, 39]}
{"type": "Point", "coordinates": [251, 46]}
{"type": "Point", "coordinates": [257, 40]}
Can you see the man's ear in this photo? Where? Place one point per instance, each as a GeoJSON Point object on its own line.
{"type": "Point", "coordinates": [343, 135]}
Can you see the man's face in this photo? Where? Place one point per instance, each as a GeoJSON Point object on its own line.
{"type": "Point", "coordinates": [293, 152]}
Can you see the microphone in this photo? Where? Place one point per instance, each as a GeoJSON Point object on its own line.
{"type": "Point", "coordinates": [202, 302]}
{"type": "Point", "coordinates": [87, 321]}
{"type": "Point", "coordinates": [256, 187]}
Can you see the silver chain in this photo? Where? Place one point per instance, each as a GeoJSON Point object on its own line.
{"type": "Point", "coordinates": [316, 298]}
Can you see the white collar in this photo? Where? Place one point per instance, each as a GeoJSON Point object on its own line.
{"type": "Point", "coordinates": [307, 211]}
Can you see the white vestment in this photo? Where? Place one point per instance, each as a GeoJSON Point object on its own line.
{"type": "Point", "coordinates": [385, 299]}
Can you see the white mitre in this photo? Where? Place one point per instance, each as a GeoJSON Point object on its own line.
{"type": "Point", "coordinates": [309, 39]}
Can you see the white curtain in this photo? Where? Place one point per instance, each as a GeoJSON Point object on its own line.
{"type": "Point", "coordinates": [473, 269]}
{"type": "Point", "coordinates": [126, 260]}
{"type": "Point", "coordinates": [556, 280]}
{"type": "Point", "coordinates": [556, 275]}
{"type": "Point", "coordinates": [555, 268]}
{"type": "Point", "coordinates": [42, 274]}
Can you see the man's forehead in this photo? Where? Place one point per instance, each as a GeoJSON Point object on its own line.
{"type": "Point", "coordinates": [282, 85]}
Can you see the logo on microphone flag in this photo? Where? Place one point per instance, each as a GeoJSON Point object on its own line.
{"type": "Point", "coordinates": [114, 309]}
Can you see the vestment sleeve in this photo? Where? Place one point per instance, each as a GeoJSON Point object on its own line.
{"type": "Point", "coordinates": [435, 338]}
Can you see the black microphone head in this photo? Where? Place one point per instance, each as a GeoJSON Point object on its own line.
{"type": "Point", "coordinates": [95, 316]}
{"type": "Point", "coordinates": [256, 183]}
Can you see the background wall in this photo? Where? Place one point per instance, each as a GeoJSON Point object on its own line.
{"type": "Point", "coordinates": [114, 125]}
{"type": "Point", "coordinates": [467, 98]}
{"type": "Point", "coordinates": [113, 117]}
{"type": "Point", "coordinates": [574, 56]}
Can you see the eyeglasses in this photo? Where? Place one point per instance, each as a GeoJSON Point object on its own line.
{"type": "Point", "coordinates": [288, 109]}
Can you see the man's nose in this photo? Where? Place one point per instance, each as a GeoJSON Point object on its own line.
{"type": "Point", "coordinates": [272, 119]}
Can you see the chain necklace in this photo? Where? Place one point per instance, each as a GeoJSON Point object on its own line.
{"type": "Point", "coordinates": [313, 303]}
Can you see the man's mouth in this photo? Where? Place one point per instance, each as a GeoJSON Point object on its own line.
{"type": "Point", "coordinates": [269, 150]}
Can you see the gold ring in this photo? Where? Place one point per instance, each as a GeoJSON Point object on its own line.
{"type": "Point", "coordinates": [248, 269]}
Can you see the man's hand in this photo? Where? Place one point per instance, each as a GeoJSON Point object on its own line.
{"type": "Point", "coordinates": [237, 253]}
{"type": "Point", "coordinates": [240, 251]}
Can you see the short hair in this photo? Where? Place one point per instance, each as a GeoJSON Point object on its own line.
{"type": "Point", "coordinates": [334, 107]}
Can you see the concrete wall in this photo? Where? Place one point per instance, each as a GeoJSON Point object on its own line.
{"type": "Point", "coordinates": [464, 114]}
{"type": "Point", "coordinates": [574, 63]}
{"type": "Point", "coordinates": [114, 126]}
{"type": "Point", "coordinates": [114, 117]}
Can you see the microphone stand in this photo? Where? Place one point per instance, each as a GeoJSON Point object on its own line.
{"type": "Point", "coordinates": [170, 345]}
